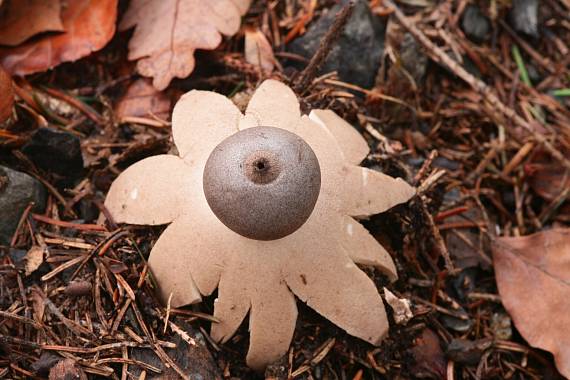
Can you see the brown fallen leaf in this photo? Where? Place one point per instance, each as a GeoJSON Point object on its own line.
{"type": "Point", "coordinates": [533, 276]}
{"type": "Point", "coordinates": [6, 95]}
{"type": "Point", "coordinates": [429, 360]}
{"type": "Point", "coordinates": [169, 31]}
{"type": "Point", "coordinates": [258, 50]}
{"type": "Point", "coordinates": [142, 99]}
{"type": "Point", "coordinates": [88, 25]}
{"type": "Point", "coordinates": [546, 176]}
{"type": "Point", "coordinates": [25, 18]}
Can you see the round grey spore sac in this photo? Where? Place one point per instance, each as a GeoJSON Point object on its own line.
{"type": "Point", "coordinates": [262, 182]}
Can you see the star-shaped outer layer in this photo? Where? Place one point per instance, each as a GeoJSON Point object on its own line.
{"type": "Point", "coordinates": [197, 253]}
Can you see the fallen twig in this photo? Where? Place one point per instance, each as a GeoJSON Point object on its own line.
{"type": "Point", "coordinates": [308, 74]}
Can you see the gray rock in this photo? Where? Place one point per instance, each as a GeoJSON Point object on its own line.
{"type": "Point", "coordinates": [475, 24]}
{"type": "Point", "coordinates": [17, 190]}
{"type": "Point", "coordinates": [467, 352]}
{"type": "Point", "coordinates": [413, 58]}
{"type": "Point", "coordinates": [524, 17]}
{"type": "Point", "coordinates": [357, 53]}
{"type": "Point", "coordinates": [55, 151]}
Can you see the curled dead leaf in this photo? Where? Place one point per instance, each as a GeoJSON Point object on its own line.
{"type": "Point", "coordinates": [88, 25]}
{"type": "Point", "coordinates": [169, 31]}
{"type": "Point", "coordinates": [6, 95]}
{"type": "Point", "coordinates": [533, 276]}
{"type": "Point", "coordinates": [25, 18]}
{"type": "Point", "coordinates": [546, 176]}
{"type": "Point", "coordinates": [143, 100]}
{"type": "Point", "coordinates": [258, 50]}
{"type": "Point", "coordinates": [34, 258]}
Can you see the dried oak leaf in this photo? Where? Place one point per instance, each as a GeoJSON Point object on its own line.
{"type": "Point", "coordinates": [143, 100]}
{"type": "Point", "coordinates": [169, 31]}
{"type": "Point", "coordinates": [6, 95]}
{"type": "Point", "coordinates": [258, 50]}
{"type": "Point", "coordinates": [88, 25]}
{"type": "Point", "coordinates": [533, 276]}
{"type": "Point", "coordinates": [25, 18]}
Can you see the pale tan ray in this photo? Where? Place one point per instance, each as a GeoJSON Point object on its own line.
{"type": "Point", "coordinates": [200, 121]}
{"type": "Point", "coordinates": [273, 105]}
{"type": "Point", "coordinates": [198, 240]}
{"type": "Point", "coordinates": [324, 277]}
{"type": "Point", "coordinates": [363, 249]}
{"type": "Point", "coordinates": [231, 306]}
{"type": "Point", "coordinates": [167, 258]}
{"type": "Point", "coordinates": [152, 191]}
{"type": "Point", "coordinates": [354, 147]}
{"type": "Point", "coordinates": [367, 192]}
{"type": "Point", "coordinates": [272, 321]}
{"type": "Point", "coordinates": [185, 262]}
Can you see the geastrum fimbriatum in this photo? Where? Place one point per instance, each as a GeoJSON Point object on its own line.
{"type": "Point", "coordinates": [263, 206]}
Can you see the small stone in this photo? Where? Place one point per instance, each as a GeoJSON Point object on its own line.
{"type": "Point", "coordinates": [461, 325]}
{"type": "Point", "coordinates": [55, 151]}
{"type": "Point", "coordinates": [357, 53]}
{"type": "Point", "coordinates": [524, 17]}
{"type": "Point", "coordinates": [475, 24]}
{"type": "Point", "coordinates": [45, 362]}
{"type": "Point", "coordinates": [18, 257]}
{"type": "Point", "coordinates": [468, 352]}
{"type": "Point", "coordinates": [17, 191]}
{"type": "Point", "coordinates": [413, 58]}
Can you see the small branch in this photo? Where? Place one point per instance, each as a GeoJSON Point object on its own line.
{"type": "Point", "coordinates": [439, 56]}
{"type": "Point", "coordinates": [310, 72]}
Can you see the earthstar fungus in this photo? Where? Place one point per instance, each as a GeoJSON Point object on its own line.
{"type": "Point", "coordinates": [262, 206]}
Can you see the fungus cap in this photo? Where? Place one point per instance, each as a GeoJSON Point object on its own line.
{"type": "Point", "coordinates": [317, 262]}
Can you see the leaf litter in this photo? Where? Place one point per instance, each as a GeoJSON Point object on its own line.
{"type": "Point", "coordinates": [87, 26]}
{"type": "Point", "coordinates": [168, 32]}
{"type": "Point", "coordinates": [486, 148]}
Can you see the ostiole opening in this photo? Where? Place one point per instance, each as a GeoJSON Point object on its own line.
{"type": "Point", "coordinates": [262, 167]}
